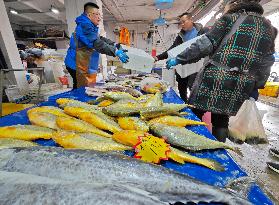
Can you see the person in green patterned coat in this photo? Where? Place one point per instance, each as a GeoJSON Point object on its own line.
{"type": "Point", "coordinates": [236, 68]}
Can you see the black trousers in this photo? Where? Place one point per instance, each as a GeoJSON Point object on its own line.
{"type": "Point", "coordinates": [73, 74]}
{"type": "Point", "coordinates": [217, 120]}
{"type": "Point", "coordinates": [183, 84]}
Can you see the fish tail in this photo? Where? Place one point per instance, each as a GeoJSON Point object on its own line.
{"type": "Point", "coordinates": [237, 150]}
{"type": "Point", "coordinates": [212, 164]}
{"type": "Point", "coordinates": [209, 163]}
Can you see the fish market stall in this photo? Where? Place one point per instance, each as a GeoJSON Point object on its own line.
{"type": "Point", "coordinates": [231, 171]}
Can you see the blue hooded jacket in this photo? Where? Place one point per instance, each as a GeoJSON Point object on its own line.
{"type": "Point", "coordinates": [87, 34]}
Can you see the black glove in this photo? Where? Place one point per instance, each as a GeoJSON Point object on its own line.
{"type": "Point", "coordinates": [118, 46]}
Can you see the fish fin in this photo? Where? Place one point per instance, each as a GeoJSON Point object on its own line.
{"type": "Point", "coordinates": [96, 101]}
{"type": "Point", "coordinates": [216, 166]}
{"type": "Point", "coordinates": [183, 114]}
{"type": "Point", "coordinates": [241, 186]}
{"type": "Point", "coordinates": [238, 151]}
{"type": "Point", "coordinates": [192, 106]}
{"type": "Point", "coordinates": [175, 113]}
{"type": "Point", "coordinates": [256, 140]}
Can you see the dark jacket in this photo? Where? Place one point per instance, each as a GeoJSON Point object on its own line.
{"type": "Point", "coordinates": [87, 36]}
{"type": "Point", "coordinates": [179, 40]}
{"type": "Point", "coordinates": [250, 48]}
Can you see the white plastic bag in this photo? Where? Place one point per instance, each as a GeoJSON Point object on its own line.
{"type": "Point", "coordinates": [182, 47]}
{"type": "Point", "coordinates": [247, 125]}
{"type": "Point", "coordinates": [138, 60]}
{"type": "Point", "coordinates": [153, 85]}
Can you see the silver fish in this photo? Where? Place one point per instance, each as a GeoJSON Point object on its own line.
{"type": "Point", "coordinates": [24, 189]}
{"type": "Point", "coordinates": [79, 104]}
{"type": "Point", "coordinates": [157, 111]}
{"type": "Point", "coordinates": [114, 168]}
{"type": "Point", "coordinates": [182, 137]}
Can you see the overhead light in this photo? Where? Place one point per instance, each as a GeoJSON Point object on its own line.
{"type": "Point", "coordinates": [12, 11]}
{"type": "Point", "coordinates": [54, 10]}
{"type": "Point", "coordinates": [158, 9]}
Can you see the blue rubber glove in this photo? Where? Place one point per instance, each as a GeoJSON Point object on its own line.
{"type": "Point", "coordinates": [172, 62]}
{"type": "Point", "coordinates": [121, 54]}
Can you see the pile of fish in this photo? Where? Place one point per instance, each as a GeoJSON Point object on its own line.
{"type": "Point", "coordinates": [87, 167]}
{"type": "Point", "coordinates": [51, 175]}
{"type": "Point", "coordinates": [116, 126]}
{"type": "Point", "coordinates": [100, 90]}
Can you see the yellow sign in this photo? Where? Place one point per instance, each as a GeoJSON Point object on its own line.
{"type": "Point", "coordinates": [152, 149]}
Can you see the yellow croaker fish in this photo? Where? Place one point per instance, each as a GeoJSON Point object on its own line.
{"type": "Point", "coordinates": [132, 123]}
{"type": "Point", "coordinates": [123, 109]}
{"type": "Point", "coordinates": [9, 142]}
{"type": "Point", "coordinates": [26, 132]}
{"type": "Point", "coordinates": [144, 98]}
{"type": "Point", "coordinates": [131, 138]}
{"type": "Point", "coordinates": [175, 121]}
{"type": "Point", "coordinates": [61, 101]}
{"type": "Point", "coordinates": [128, 137]}
{"type": "Point", "coordinates": [116, 96]}
{"type": "Point", "coordinates": [157, 111]}
{"type": "Point", "coordinates": [87, 141]}
{"type": "Point", "coordinates": [156, 100]}
{"type": "Point", "coordinates": [184, 138]}
{"type": "Point", "coordinates": [66, 102]}
{"type": "Point", "coordinates": [73, 124]}
{"type": "Point", "coordinates": [43, 119]}
{"type": "Point", "coordinates": [96, 118]}
{"type": "Point", "coordinates": [209, 163]}
{"type": "Point", "coordinates": [105, 103]}
{"type": "Point", "coordinates": [49, 109]}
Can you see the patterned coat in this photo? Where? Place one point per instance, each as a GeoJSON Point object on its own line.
{"type": "Point", "coordinates": [251, 49]}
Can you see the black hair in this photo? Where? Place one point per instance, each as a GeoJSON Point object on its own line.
{"type": "Point", "coordinates": [185, 14]}
{"type": "Point", "coordinates": [90, 5]}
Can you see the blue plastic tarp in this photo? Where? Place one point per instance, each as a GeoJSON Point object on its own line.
{"type": "Point", "coordinates": [221, 179]}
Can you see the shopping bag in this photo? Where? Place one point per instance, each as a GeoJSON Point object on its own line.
{"type": "Point", "coordinates": [247, 125]}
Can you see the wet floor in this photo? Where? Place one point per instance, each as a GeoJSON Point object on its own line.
{"type": "Point", "coordinates": [255, 156]}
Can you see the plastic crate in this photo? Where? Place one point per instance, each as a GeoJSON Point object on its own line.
{"type": "Point", "coordinates": [271, 89]}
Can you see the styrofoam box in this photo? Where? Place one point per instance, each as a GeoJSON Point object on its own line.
{"type": "Point", "coordinates": [138, 60]}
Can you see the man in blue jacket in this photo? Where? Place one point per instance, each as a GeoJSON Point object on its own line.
{"type": "Point", "coordinates": [86, 45]}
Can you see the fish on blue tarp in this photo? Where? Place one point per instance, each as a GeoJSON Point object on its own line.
{"type": "Point", "coordinates": [103, 167]}
{"type": "Point", "coordinates": [26, 189]}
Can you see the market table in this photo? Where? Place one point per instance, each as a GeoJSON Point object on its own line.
{"type": "Point", "coordinates": [221, 179]}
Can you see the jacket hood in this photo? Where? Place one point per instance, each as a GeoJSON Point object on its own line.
{"type": "Point", "coordinates": [83, 19]}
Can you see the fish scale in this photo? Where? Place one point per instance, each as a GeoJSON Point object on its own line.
{"type": "Point", "coordinates": [96, 118]}
{"type": "Point", "coordinates": [25, 189]}
{"type": "Point", "coordinates": [87, 141]}
{"type": "Point", "coordinates": [93, 166]}
{"type": "Point", "coordinates": [25, 132]}
{"type": "Point", "coordinates": [182, 137]}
